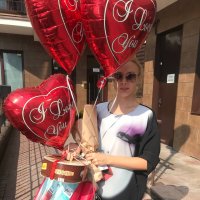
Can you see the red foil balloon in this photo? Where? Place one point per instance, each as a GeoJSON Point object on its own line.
{"type": "Point", "coordinates": [115, 29]}
{"type": "Point", "coordinates": [44, 114]}
{"type": "Point", "coordinates": [59, 28]}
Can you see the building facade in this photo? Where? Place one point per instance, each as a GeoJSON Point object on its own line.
{"type": "Point", "coordinates": [23, 61]}
{"type": "Point", "coordinates": [171, 84]}
{"type": "Point", "coordinates": [171, 80]}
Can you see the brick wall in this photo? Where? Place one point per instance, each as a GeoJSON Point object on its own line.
{"type": "Point", "coordinates": [148, 83]}
{"type": "Point", "coordinates": [111, 91]}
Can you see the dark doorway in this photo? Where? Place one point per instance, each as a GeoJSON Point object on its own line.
{"type": "Point", "coordinates": [56, 69]}
{"type": "Point", "coordinates": [94, 72]}
{"type": "Point", "coordinates": [168, 51]}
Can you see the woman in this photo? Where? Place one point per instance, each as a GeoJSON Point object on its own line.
{"type": "Point", "coordinates": [129, 139]}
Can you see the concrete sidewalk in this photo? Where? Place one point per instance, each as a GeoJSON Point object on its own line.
{"type": "Point", "coordinates": [177, 177]}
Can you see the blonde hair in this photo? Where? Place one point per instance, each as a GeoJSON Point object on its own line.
{"type": "Point", "coordinates": [137, 62]}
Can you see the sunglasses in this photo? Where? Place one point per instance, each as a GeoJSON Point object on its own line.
{"type": "Point", "coordinates": [118, 76]}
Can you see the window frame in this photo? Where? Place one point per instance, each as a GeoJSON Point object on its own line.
{"type": "Point", "coordinates": [195, 110]}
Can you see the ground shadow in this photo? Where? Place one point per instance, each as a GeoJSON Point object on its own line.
{"type": "Point", "coordinates": [162, 191]}
{"type": "Point", "coordinates": [181, 135]}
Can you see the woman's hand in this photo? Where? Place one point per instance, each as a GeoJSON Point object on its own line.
{"type": "Point", "coordinates": [97, 158]}
{"type": "Point", "coordinates": [132, 163]}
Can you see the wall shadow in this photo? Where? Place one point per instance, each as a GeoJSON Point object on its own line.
{"type": "Point", "coordinates": [181, 134]}
{"type": "Point", "coordinates": [8, 166]}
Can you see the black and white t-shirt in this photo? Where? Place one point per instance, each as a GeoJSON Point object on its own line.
{"type": "Point", "coordinates": [120, 135]}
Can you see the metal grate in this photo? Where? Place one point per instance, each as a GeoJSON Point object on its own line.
{"type": "Point", "coordinates": [13, 6]}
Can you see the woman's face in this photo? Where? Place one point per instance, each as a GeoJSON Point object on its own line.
{"type": "Point", "coordinates": [126, 80]}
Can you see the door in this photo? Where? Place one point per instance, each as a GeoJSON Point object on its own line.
{"type": "Point", "coordinates": [168, 53]}
{"type": "Point", "coordinates": [94, 72]}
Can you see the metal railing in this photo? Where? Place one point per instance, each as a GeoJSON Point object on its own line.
{"type": "Point", "coordinates": [1, 113]}
{"type": "Point", "coordinates": [12, 7]}
{"type": "Point", "coordinates": [4, 91]}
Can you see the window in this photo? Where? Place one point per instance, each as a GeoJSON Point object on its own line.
{"type": "Point", "coordinates": [11, 69]}
{"type": "Point", "coordinates": [196, 92]}
{"type": "Point", "coordinates": [1, 81]}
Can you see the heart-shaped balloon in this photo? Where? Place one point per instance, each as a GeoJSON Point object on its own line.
{"type": "Point", "coordinates": [115, 29]}
{"type": "Point", "coordinates": [44, 114]}
{"type": "Point", "coordinates": [59, 28]}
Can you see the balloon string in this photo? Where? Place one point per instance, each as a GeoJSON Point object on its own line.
{"type": "Point", "coordinates": [73, 98]}
{"type": "Point", "coordinates": [102, 83]}
{"type": "Point", "coordinates": [97, 96]}
{"type": "Point", "coordinates": [113, 103]}
{"type": "Point", "coordinates": [72, 95]}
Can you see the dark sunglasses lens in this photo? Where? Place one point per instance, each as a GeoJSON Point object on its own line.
{"type": "Point", "coordinates": [118, 76]}
{"type": "Point", "coordinates": [131, 77]}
